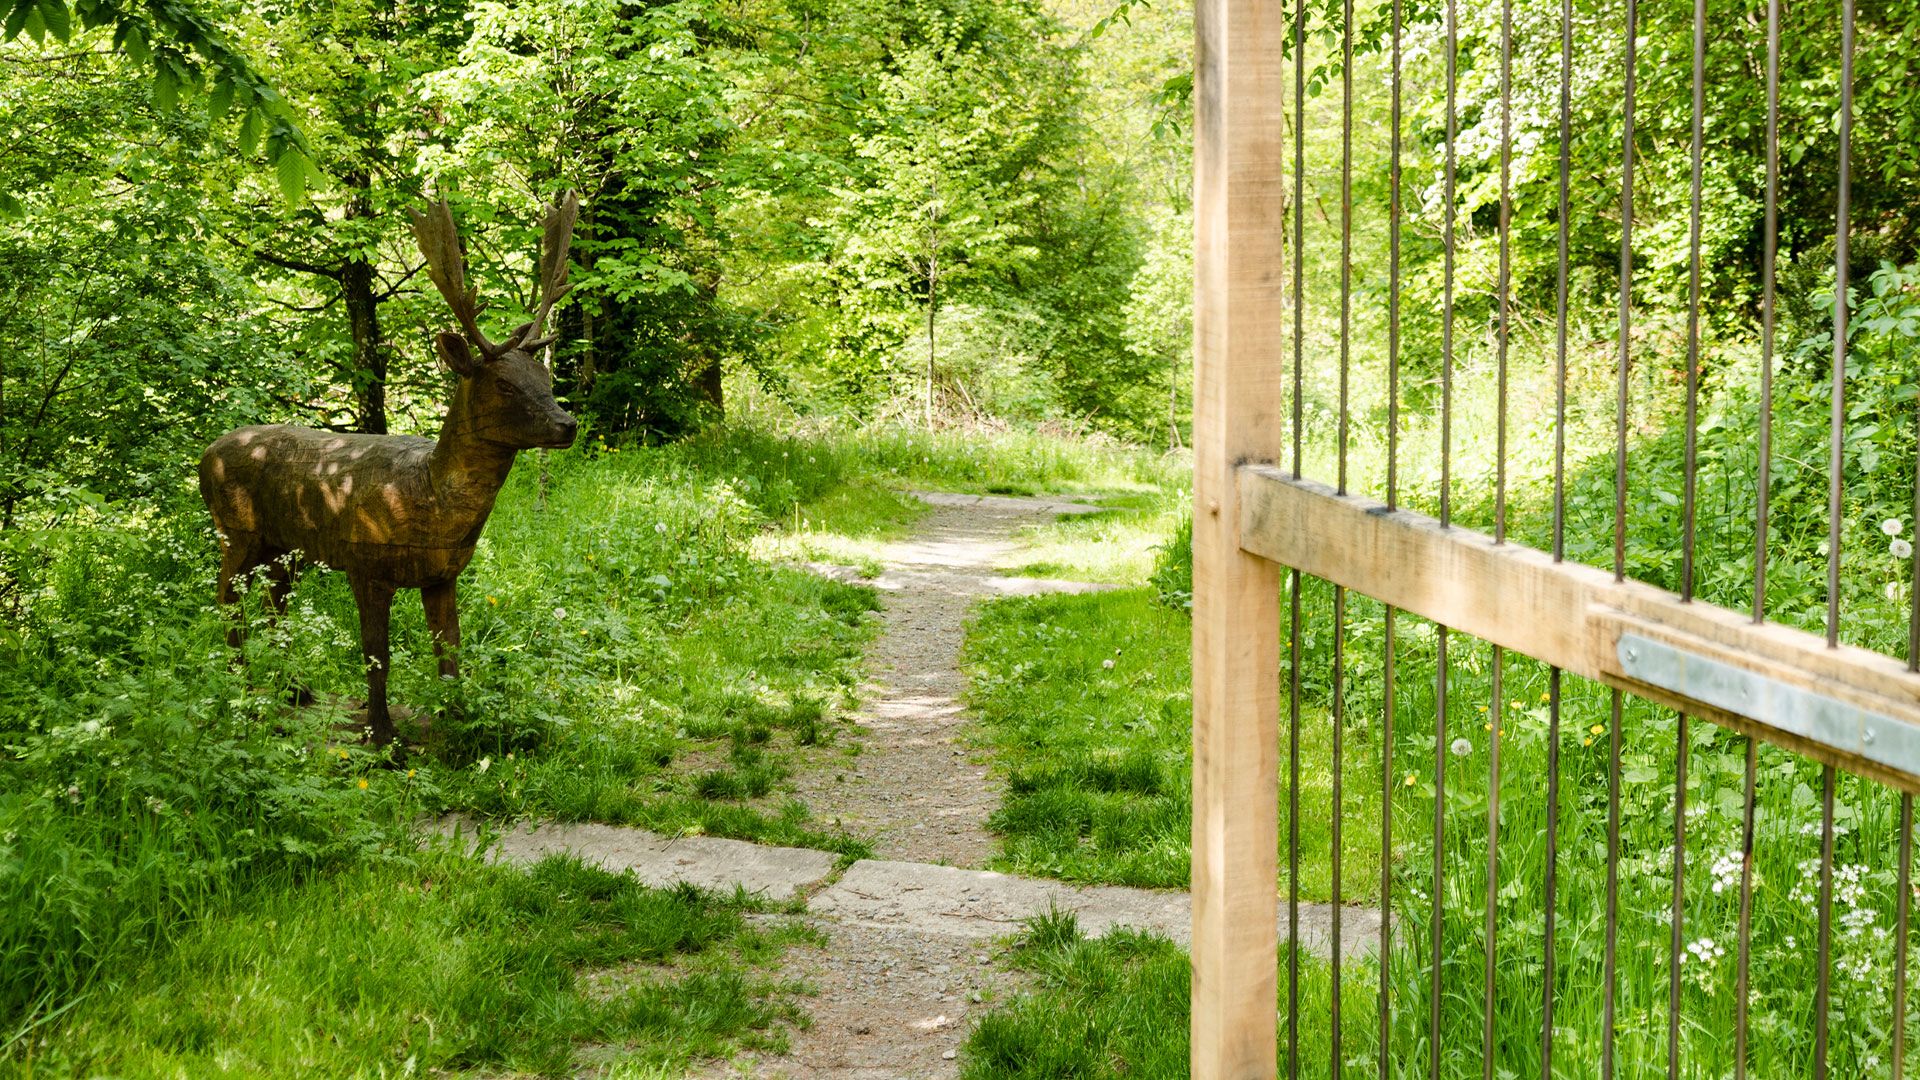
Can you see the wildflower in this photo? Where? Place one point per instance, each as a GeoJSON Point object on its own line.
{"type": "Point", "coordinates": [1891, 526]}
{"type": "Point", "coordinates": [1544, 696]}
{"type": "Point", "coordinates": [1482, 708]}
{"type": "Point", "coordinates": [559, 614]}
{"type": "Point", "coordinates": [1409, 780]}
{"type": "Point", "coordinates": [483, 764]}
{"type": "Point", "coordinates": [1461, 747]}
{"type": "Point", "coordinates": [1487, 726]}
{"type": "Point", "coordinates": [363, 783]}
{"type": "Point", "coordinates": [494, 600]}
{"type": "Point", "coordinates": [343, 755]}
{"type": "Point", "coordinates": [1598, 729]}
{"type": "Point", "coordinates": [660, 527]}
{"type": "Point", "coordinates": [1901, 549]}
{"type": "Point", "coordinates": [1588, 741]}
{"type": "Point", "coordinates": [410, 774]}
{"type": "Point", "coordinates": [1514, 705]}
{"type": "Point", "coordinates": [1108, 664]}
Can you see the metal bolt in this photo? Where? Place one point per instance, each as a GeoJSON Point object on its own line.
{"type": "Point", "coordinates": [1867, 736]}
{"type": "Point", "coordinates": [1632, 654]}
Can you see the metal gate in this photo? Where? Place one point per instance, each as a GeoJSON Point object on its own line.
{"type": "Point", "coordinates": [1313, 598]}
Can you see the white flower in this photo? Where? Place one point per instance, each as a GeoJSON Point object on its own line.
{"type": "Point", "coordinates": [1462, 747]}
{"type": "Point", "coordinates": [1891, 526]}
{"type": "Point", "coordinates": [1108, 664]}
{"type": "Point", "coordinates": [660, 527]}
{"type": "Point", "coordinates": [1901, 549]}
{"type": "Point", "coordinates": [560, 614]}
{"type": "Point", "coordinates": [483, 764]}
{"type": "Point", "coordinates": [1892, 590]}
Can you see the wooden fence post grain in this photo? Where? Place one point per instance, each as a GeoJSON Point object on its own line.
{"type": "Point", "coordinates": [1240, 340]}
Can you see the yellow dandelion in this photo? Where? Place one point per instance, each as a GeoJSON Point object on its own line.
{"type": "Point", "coordinates": [1514, 705]}
{"type": "Point", "coordinates": [1482, 708]}
{"type": "Point", "coordinates": [363, 783]}
{"type": "Point", "coordinates": [1598, 729]}
{"type": "Point", "coordinates": [494, 600]}
{"type": "Point", "coordinates": [343, 755]}
{"type": "Point", "coordinates": [1488, 726]}
{"type": "Point", "coordinates": [1544, 696]}
{"type": "Point", "coordinates": [1409, 780]}
{"type": "Point", "coordinates": [409, 774]}
{"type": "Point", "coordinates": [1588, 741]}
{"type": "Point", "coordinates": [1503, 733]}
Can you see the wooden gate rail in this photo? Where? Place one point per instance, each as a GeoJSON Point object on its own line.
{"type": "Point", "coordinates": [1845, 706]}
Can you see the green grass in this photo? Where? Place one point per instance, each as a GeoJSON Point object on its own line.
{"type": "Point", "coordinates": [1119, 545]}
{"type": "Point", "coordinates": [1098, 760]}
{"type": "Point", "coordinates": [443, 964]}
{"type": "Point", "coordinates": [1117, 1007]}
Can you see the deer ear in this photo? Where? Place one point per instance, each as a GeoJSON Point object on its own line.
{"type": "Point", "coordinates": [455, 353]}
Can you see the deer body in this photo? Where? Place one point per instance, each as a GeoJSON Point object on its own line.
{"type": "Point", "coordinates": [394, 511]}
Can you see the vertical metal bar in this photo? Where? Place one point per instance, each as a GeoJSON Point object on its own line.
{"type": "Point", "coordinates": [1903, 898]}
{"type": "Point", "coordinates": [1611, 970]}
{"type": "Point", "coordinates": [1610, 992]}
{"type": "Point", "coordinates": [1552, 881]}
{"type": "Point", "coordinates": [1553, 869]}
{"type": "Point", "coordinates": [1676, 941]}
{"type": "Point", "coordinates": [1393, 497]}
{"type": "Point", "coordinates": [1293, 636]}
{"type": "Point", "coordinates": [1692, 468]}
{"type": "Point", "coordinates": [1439, 849]}
{"type": "Point", "coordinates": [1293, 826]}
{"type": "Point", "coordinates": [1560, 287]}
{"type": "Point", "coordinates": [1299, 216]}
{"type": "Point", "coordinates": [1764, 482]}
{"type": "Point", "coordinates": [1505, 287]}
{"type": "Point", "coordinates": [1745, 943]}
{"type": "Point", "coordinates": [1386, 846]}
{"type": "Point", "coordinates": [1393, 275]}
{"type": "Point", "coordinates": [1446, 302]}
{"type": "Point", "coordinates": [1626, 296]}
{"type": "Point", "coordinates": [1913, 582]}
{"type": "Point", "coordinates": [1824, 957]}
{"type": "Point", "coordinates": [1346, 228]}
{"type": "Point", "coordinates": [1339, 767]}
{"type": "Point", "coordinates": [1843, 197]}
{"type": "Point", "coordinates": [1340, 594]}
{"type": "Point", "coordinates": [1493, 868]}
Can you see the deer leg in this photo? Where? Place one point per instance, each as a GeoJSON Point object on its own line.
{"type": "Point", "coordinates": [238, 556]}
{"type": "Point", "coordinates": [375, 601]}
{"type": "Point", "coordinates": [282, 572]}
{"type": "Point", "coordinates": [443, 623]}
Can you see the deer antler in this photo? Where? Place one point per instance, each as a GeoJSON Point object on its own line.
{"type": "Point", "coordinates": [440, 242]}
{"type": "Point", "coordinates": [556, 241]}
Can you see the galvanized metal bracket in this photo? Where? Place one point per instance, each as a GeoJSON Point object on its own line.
{"type": "Point", "coordinates": [1820, 719]}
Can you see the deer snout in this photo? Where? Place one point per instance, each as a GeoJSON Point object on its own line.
{"type": "Point", "coordinates": [564, 429]}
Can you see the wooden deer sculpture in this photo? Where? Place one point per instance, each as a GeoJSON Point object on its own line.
{"type": "Point", "coordinates": [396, 511]}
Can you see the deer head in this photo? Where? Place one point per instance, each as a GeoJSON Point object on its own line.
{"type": "Point", "coordinates": [505, 396]}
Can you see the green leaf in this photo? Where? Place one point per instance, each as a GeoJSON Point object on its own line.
{"type": "Point", "coordinates": [290, 168]}
{"type": "Point", "coordinates": [58, 19]}
{"type": "Point", "coordinates": [11, 207]}
{"type": "Point", "coordinates": [17, 19]}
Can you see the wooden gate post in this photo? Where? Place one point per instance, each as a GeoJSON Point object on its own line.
{"type": "Point", "coordinates": [1240, 345]}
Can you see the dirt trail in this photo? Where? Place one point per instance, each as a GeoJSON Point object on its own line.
{"type": "Point", "coordinates": [914, 787]}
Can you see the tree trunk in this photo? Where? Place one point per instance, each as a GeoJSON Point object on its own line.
{"type": "Point", "coordinates": [712, 390]}
{"type": "Point", "coordinates": [369, 359]}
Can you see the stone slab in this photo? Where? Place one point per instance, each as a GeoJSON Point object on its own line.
{"type": "Point", "coordinates": [946, 901]}
{"type": "Point", "coordinates": [1006, 504]}
{"type": "Point", "coordinates": [776, 873]}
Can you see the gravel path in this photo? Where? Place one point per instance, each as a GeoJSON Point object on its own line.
{"type": "Point", "coordinates": [915, 788]}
